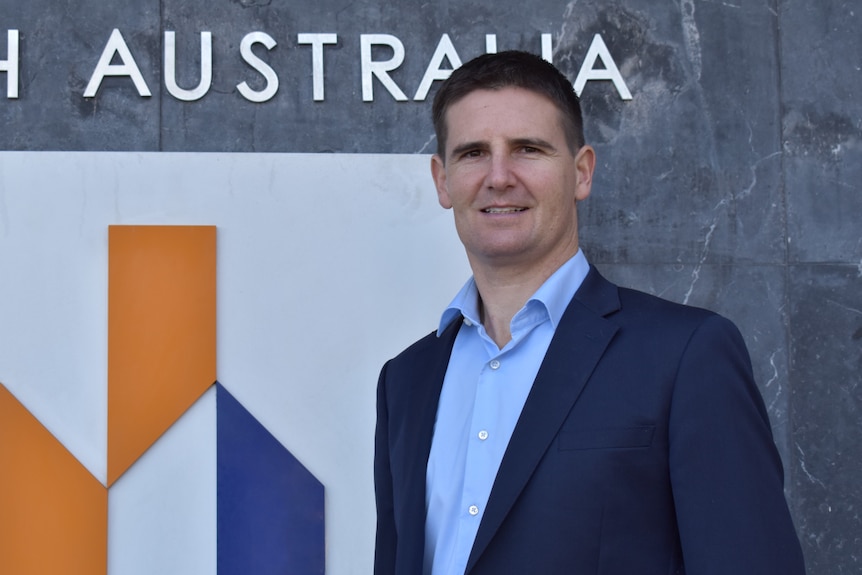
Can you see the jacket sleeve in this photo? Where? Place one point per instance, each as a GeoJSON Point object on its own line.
{"type": "Point", "coordinates": [726, 473]}
{"type": "Point", "coordinates": [384, 551]}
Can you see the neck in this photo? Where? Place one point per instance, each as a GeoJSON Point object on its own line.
{"type": "Point", "coordinates": [503, 291]}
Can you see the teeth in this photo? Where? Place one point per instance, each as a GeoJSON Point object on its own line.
{"type": "Point", "coordinates": [502, 210]}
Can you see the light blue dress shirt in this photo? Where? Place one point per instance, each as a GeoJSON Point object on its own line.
{"type": "Point", "coordinates": [483, 393]}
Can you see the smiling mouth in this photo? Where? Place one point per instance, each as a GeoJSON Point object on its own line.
{"type": "Point", "coordinates": [503, 210]}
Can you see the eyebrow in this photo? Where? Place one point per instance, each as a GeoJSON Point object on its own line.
{"type": "Point", "coordinates": [458, 150]}
{"type": "Point", "coordinates": [479, 145]}
{"type": "Point", "coordinates": [533, 142]}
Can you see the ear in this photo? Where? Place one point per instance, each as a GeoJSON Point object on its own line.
{"type": "Point", "coordinates": [585, 164]}
{"type": "Point", "coordinates": [438, 172]}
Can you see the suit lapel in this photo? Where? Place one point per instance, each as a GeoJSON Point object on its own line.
{"type": "Point", "coordinates": [421, 413]}
{"type": "Point", "coordinates": [579, 342]}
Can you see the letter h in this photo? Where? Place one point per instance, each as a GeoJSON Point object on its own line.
{"type": "Point", "coordinates": [10, 64]}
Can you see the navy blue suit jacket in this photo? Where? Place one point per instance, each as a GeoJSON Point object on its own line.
{"type": "Point", "coordinates": [643, 448]}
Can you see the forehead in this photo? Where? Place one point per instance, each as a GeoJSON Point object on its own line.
{"type": "Point", "coordinates": [510, 112]}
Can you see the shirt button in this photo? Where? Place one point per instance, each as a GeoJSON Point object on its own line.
{"type": "Point", "coordinates": [467, 322]}
{"type": "Point", "coordinates": [473, 510]}
{"type": "Point", "coordinates": [495, 364]}
{"type": "Point", "coordinates": [483, 435]}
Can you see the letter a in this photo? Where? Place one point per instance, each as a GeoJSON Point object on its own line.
{"type": "Point", "coordinates": [598, 49]}
{"type": "Point", "coordinates": [116, 46]}
{"type": "Point", "coordinates": [445, 49]}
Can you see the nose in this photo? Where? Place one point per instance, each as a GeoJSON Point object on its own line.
{"type": "Point", "coordinates": [500, 176]}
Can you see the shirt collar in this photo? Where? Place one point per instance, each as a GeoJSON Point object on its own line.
{"type": "Point", "coordinates": [555, 294]}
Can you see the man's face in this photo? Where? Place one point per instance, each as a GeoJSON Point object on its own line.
{"type": "Point", "coordinates": [511, 179]}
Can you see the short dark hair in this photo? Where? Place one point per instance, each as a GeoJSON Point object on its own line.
{"type": "Point", "coordinates": [508, 69]}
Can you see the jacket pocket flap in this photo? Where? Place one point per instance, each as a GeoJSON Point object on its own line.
{"type": "Point", "coordinates": [607, 438]}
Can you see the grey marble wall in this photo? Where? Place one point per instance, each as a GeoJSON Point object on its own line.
{"type": "Point", "coordinates": [731, 180]}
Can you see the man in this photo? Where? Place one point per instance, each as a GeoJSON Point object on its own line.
{"type": "Point", "coordinates": [556, 423]}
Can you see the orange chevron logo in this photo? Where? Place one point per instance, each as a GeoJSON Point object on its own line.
{"type": "Point", "coordinates": [161, 360]}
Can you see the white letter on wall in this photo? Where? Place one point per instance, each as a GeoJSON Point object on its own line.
{"type": "Point", "coordinates": [490, 43]}
{"type": "Point", "coordinates": [265, 70]}
{"type": "Point", "coordinates": [547, 48]}
{"type": "Point", "coordinates": [171, 68]}
{"type": "Point", "coordinates": [598, 49]}
{"type": "Point", "coordinates": [116, 45]}
{"type": "Point", "coordinates": [380, 69]}
{"type": "Point", "coordinates": [10, 64]}
{"type": "Point", "coordinates": [317, 41]}
{"type": "Point", "coordinates": [445, 49]}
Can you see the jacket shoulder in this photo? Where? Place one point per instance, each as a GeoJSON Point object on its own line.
{"type": "Point", "coordinates": [432, 344]}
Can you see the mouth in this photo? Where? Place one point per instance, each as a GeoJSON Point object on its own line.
{"type": "Point", "coordinates": [493, 210]}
